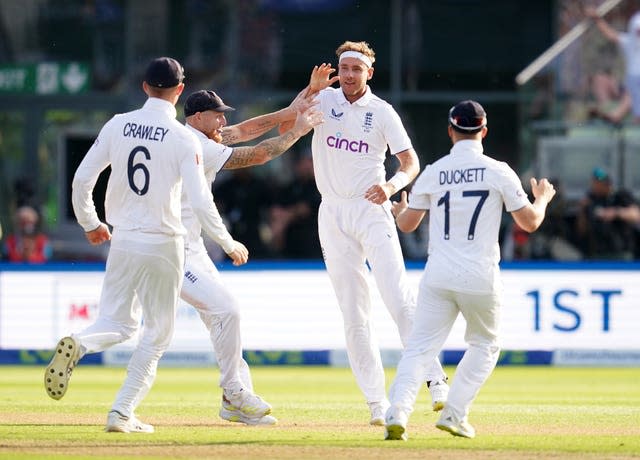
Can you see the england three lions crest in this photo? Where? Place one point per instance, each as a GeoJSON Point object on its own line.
{"type": "Point", "coordinates": [367, 124]}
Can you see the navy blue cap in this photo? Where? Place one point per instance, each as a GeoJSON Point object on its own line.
{"type": "Point", "coordinates": [467, 117]}
{"type": "Point", "coordinates": [204, 100]}
{"type": "Point", "coordinates": [164, 72]}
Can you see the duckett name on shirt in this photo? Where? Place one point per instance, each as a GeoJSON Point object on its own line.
{"type": "Point", "coordinates": [340, 143]}
{"type": "Point", "coordinates": [150, 133]}
{"type": "Point", "coordinates": [457, 176]}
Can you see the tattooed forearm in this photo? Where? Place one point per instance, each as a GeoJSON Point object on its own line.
{"type": "Point", "coordinates": [250, 129]}
{"type": "Point", "coordinates": [261, 127]}
{"type": "Point", "coordinates": [228, 138]}
{"type": "Point", "coordinates": [242, 157]}
{"type": "Point", "coordinates": [276, 146]}
{"type": "Point", "coordinates": [266, 150]}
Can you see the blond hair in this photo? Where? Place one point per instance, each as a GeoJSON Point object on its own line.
{"type": "Point", "coordinates": [360, 47]}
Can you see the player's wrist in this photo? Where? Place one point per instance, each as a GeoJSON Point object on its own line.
{"type": "Point", "coordinates": [399, 181]}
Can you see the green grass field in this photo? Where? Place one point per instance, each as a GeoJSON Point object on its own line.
{"type": "Point", "coordinates": [521, 413]}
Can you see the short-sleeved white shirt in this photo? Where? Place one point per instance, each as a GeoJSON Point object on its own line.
{"type": "Point", "coordinates": [465, 192]}
{"type": "Point", "coordinates": [349, 148]}
{"type": "Point", "coordinates": [214, 156]}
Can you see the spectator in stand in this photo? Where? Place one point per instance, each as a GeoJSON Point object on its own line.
{"type": "Point", "coordinates": [294, 217]}
{"type": "Point", "coordinates": [244, 200]}
{"type": "Point", "coordinates": [629, 43]}
{"type": "Point", "coordinates": [607, 220]}
{"type": "Point", "coordinates": [27, 243]}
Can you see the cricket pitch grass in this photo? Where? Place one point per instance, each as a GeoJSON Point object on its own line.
{"type": "Point", "coordinates": [521, 413]}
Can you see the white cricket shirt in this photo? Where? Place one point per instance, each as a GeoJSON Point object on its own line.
{"type": "Point", "coordinates": [465, 192]}
{"type": "Point", "coordinates": [151, 156]}
{"type": "Point", "coordinates": [214, 156]}
{"type": "Point", "coordinates": [349, 147]}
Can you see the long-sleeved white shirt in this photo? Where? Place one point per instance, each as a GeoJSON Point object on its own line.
{"type": "Point", "coordinates": [152, 156]}
{"type": "Point", "coordinates": [214, 155]}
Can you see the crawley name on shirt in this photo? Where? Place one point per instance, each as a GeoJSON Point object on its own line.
{"type": "Point", "coordinates": [150, 133]}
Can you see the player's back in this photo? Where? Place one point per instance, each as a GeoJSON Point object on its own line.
{"type": "Point", "coordinates": [145, 148]}
{"type": "Point", "coordinates": [466, 193]}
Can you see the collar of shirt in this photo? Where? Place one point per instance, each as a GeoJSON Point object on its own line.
{"type": "Point", "coordinates": [197, 132]}
{"type": "Point", "coordinates": [364, 100]}
{"type": "Point", "coordinates": [467, 146]}
{"type": "Point", "coordinates": [161, 105]}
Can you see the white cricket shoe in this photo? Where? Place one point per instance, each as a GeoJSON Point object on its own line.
{"type": "Point", "coordinates": [461, 428]}
{"type": "Point", "coordinates": [234, 415]}
{"type": "Point", "coordinates": [439, 393]}
{"type": "Point", "coordinates": [58, 372]}
{"type": "Point", "coordinates": [247, 403]}
{"type": "Point", "coordinates": [118, 423]}
{"type": "Point", "coordinates": [396, 424]}
{"type": "Point", "coordinates": [378, 410]}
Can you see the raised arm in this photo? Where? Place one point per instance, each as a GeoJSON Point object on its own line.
{"type": "Point", "coordinates": [603, 26]}
{"type": "Point", "coordinates": [271, 148]}
{"type": "Point", "coordinates": [320, 79]}
{"type": "Point", "coordinates": [531, 216]}
{"type": "Point", "coordinates": [257, 126]}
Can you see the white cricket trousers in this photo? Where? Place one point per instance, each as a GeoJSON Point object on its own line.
{"type": "Point", "coordinates": [354, 232]}
{"type": "Point", "coordinates": [436, 313]}
{"type": "Point", "coordinates": [142, 279]}
{"type": "Point", "coordinates": [202, 287]}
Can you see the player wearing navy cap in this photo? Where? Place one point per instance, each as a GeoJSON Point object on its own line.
{"type": "Point", "coordinates": [203, 288]}
{"type": "Point", "coordinates": [464, 193]}
{"type": "Point", "coordinates": [152, 158]}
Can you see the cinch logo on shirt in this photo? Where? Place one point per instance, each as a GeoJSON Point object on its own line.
{"type": "Point", "coordinates": [340, 143]}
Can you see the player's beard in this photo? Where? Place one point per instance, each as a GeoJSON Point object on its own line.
{"type": "Point", "coordinates": [216, 136]}
{"type": "Point", "coordinates": [353, 90]}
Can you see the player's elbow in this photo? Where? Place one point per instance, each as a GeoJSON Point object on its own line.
{"type": "Point", "coordinates": [529, 227]}
{"type": "Point", "coordinates": [406, 225]}
{"type": "Point", "coordinates": [529, 224]}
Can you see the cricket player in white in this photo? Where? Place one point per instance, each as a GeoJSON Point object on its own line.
{"type": "Point", "coordinates": [152, 156]}
{"type": "Point", "coordinates": [464, 193]}
{"type": "Point", "coordinates": [203, 287]}
{"type": "Point", "coordinates": [355, 222]}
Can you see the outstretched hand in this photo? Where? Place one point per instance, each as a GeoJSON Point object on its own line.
{"type": "Point", "coordinates": [320, 78]}
{"type": "Point", "coordinates": [302, 101]}
{"type": "Point", "coordinates": [543, 189]}
{"type": "Point", "coordinates": [307, 120]}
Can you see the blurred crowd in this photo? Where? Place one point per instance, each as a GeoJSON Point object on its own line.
{"type": "Point", "coordinates": [277, 219]}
